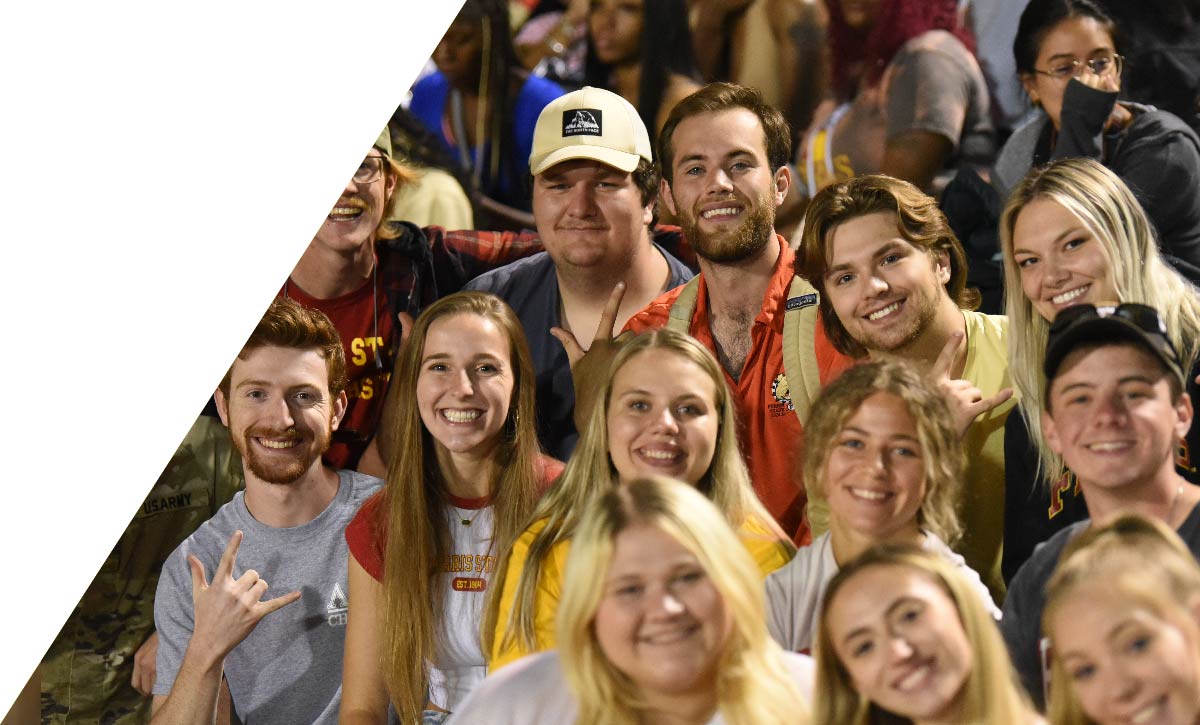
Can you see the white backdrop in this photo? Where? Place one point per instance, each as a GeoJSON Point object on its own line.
{"type": "Point", "coordinates": [162, 167]}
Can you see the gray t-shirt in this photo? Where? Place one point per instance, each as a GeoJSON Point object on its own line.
{"type": "Point", "coordinates": [289, 669]}
{"type": "Point", "coordinates": [795, 591]}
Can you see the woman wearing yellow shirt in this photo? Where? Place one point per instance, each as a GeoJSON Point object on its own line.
{"type": "Point", "coordinates": [664, 409]}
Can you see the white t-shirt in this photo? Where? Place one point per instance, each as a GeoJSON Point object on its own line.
{"type": "Point", "coordinates": [459, 662]}
{"type": "Point", "coordinates": [794, 592]}
{"type": "Point", "coordinates": [534, 691]}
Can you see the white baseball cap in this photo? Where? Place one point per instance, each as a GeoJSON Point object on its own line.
{"type": "Point", "coordinates": [590, 123]}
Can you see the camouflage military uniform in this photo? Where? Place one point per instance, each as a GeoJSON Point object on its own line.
{"type": "Point", "coordinates": [87, 671]}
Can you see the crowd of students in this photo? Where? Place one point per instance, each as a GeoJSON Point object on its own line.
{"type": "Point", "coordinates": [711, 428]}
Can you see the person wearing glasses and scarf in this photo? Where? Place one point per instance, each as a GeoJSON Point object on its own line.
{"type": "Point", "coordinates": [1066, 54]}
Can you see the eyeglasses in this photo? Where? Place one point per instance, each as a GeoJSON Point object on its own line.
{"type": "Point", "coordinates": [1066, 70]}
{"type": "Point", "coordinates": [369, 170]}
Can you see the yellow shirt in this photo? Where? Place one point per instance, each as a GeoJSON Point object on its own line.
{"type": "Point", "coordinates": [981, 505]}
{"type": "Point", "coordinates": [766, 549]}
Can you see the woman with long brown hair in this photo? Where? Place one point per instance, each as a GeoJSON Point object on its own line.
{"type": "Point", "coordinates": [464, 476]}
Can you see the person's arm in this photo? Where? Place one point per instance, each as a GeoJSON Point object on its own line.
{"type": "Point", "coordinates": [143, 665]}
{"type": "Point", "coordinates": [461, 255]}
{"type": "Point", "coordinates": [798, 27]}
{"type": "Point", "coordinates": [1162, 170]}
{"type": "Point", "coordinates": [929, 103]}
{"type": "Point", "coordinates": [1021, 628]}
{"type": "Point", "coordinates": [226, 611]}
{"type": "Point", "coordinates": [364, 691]}
{"type": "Point", "coordinates": [712, 24]}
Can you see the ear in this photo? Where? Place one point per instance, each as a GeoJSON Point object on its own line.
{"type": "Point", "coordinates": [783, 182]}
{"type": "Point", "coordinates": [648, 213]}
{"type": "Point", "coordinates": [339, 410]}
{"type": "Point", "coordinates": [1050, 433]}
{"type": "Point", "coordinates": [222, 406]}
{"type": "Point", "coordinates": [941, 265]}
{"type": "Point", "coordinates": [664, 193]}
{"type": "Point", "coordinates": [1030, 85]}
{"type": "Point", "coordinates": [389, 183]}
{"type": "Point", "coordinates": [1183, 408]}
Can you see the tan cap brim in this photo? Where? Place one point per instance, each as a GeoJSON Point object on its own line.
{"type": "Point", "coordinates": [617, 159]}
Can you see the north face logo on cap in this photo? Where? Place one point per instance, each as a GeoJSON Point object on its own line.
{"type": "Point", "coordinates": [583, 122]}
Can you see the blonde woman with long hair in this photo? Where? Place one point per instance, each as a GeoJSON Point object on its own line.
{"type": "Point", "coordinates": [1072, 233]}
{"type": "Point", "coordinates": [664, 409]}
{"type": "Point", "coordinates": [884, 457]}
{"type": "Point", "coordinates": [661, 621]}
{"type": "Point", "coordinates": [1123, 616]}
{"type": "Point", "coordinates": [905, 638]}
{"type": "Point", "coordinates": [464, 476]}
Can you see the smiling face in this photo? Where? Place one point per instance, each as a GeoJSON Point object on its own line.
{"type": "Point", "coordinates": [899, 636]}
{"type": "Point", "coordinates": [875, 475]}
{"type": "Point", "coordinates": [1125, 662]}
{"type": "Point", "coordinates": [662, 417]}
{"type": "Point", "coordinates": [885, 291]}
{"type": "Point", "coordinates": [722, 189]}
{"type": "Point", "coordinates": [1111, 418]}
{"type": "Point", "coordinates": [1061, 263]}
{"type": "Point", "coordinates": [280, 412]}
{"type": "Point", "coordinates": [615, 30]}
{"type": "Point", "coordinates": [661, 621]}
{"type": "Point", "coordinates": [1079, 38]}
{"type": "Point", "coordinates": [465, 385]}
{"type": "Point", "coordinates": [590, 214]}
{"type": "Point", "coordinates": [352, 222]}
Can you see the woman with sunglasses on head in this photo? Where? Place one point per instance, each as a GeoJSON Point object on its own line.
{"type": "Point", "coordinates": [904, 638]}
{"type": "Point", "coordinates": [1123, 616]}
{"type": "Point", "coordinates": [1067, 56]}
{"type": "Point", "coordinates": [1073, 233]}
{"type": "Point", "coordinates": [884, 455]}
{"type": "Point", "coordinates": [664, 409]}
{"type": "Point", "coordinates": [661, 621]}
{"type": "Point", "coordinates": [465, 474]}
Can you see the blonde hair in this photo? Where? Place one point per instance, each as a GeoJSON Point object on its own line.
{"type": "Point", "coordinates": [590, 473]}
{"type": "Point", "coordinates": [413, 509]}
{"type": "Point", "coordinates": [1111, 214]}
{"type": "Point", "coordinates": [1139, 558]}
{"type": "Point", "coordinates": [753, 684]}
{"type": "Point", "coordinates": [941, 450]}
{"type": "Point", "coordinates": [992, 694]}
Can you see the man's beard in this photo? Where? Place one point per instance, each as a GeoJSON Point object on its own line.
{"type": "Point", "coordinates": [732, 246]}
{"type": "Point", "coordinates": [285, 472]}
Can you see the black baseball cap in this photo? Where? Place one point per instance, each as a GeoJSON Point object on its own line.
{"type": "Point", "coordinates": [1092, 324]}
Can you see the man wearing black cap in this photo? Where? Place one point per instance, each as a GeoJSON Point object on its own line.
{"type": "Point", "coordinates": [1115, 409]}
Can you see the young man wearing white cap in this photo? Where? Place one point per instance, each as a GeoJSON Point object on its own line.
{"type": "Point", "coordinates": [594, 188]}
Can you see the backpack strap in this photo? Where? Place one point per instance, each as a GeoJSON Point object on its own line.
{"type": "Point", "coordinates": [799, 346]}
{"type": "Point", "coordinates": [680, 317]}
